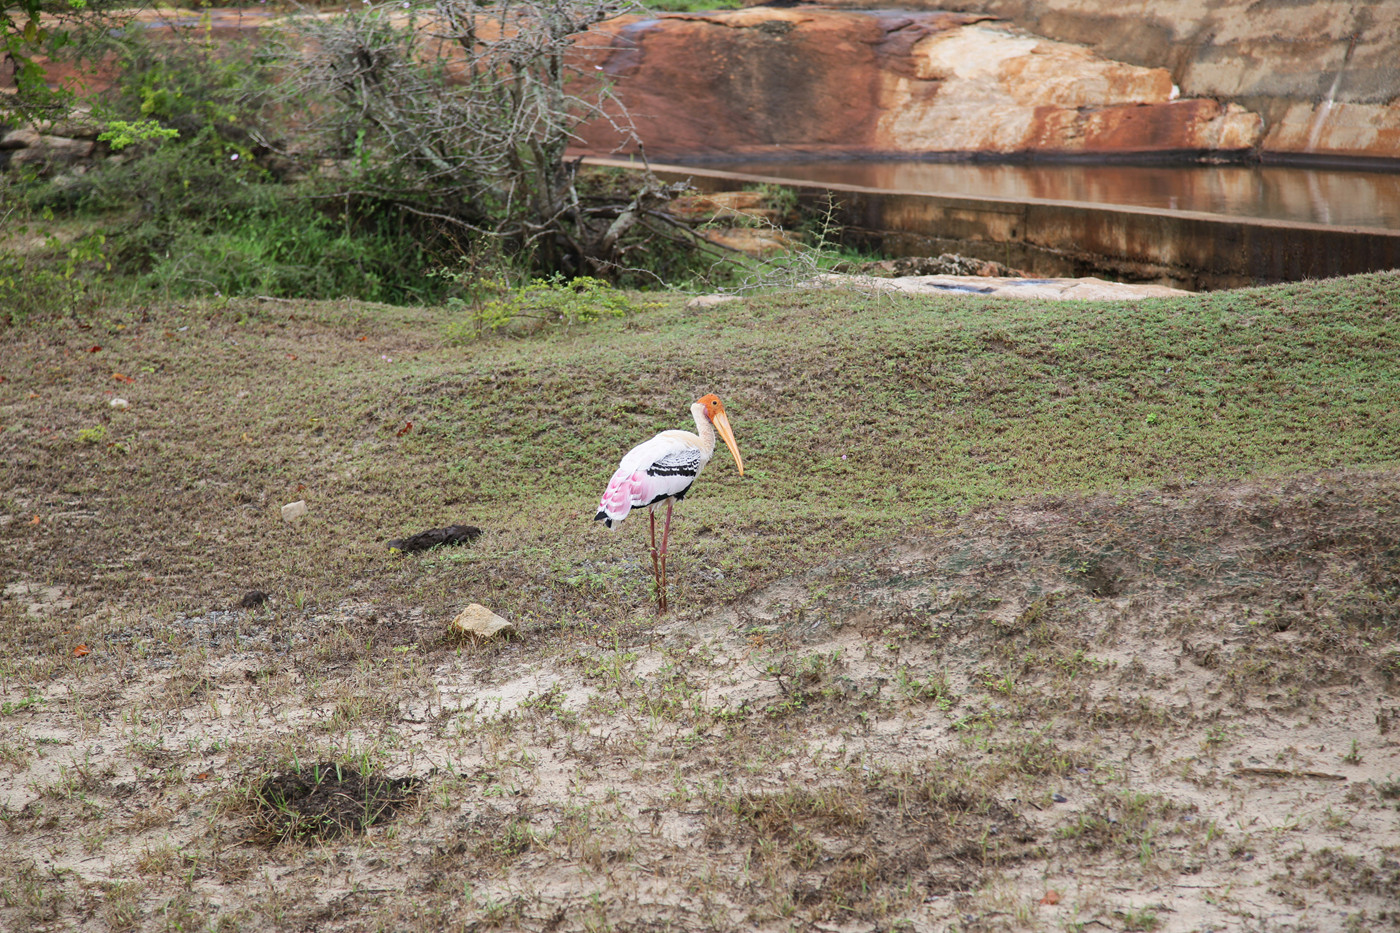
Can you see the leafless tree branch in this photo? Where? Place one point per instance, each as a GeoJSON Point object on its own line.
{"type": "Point", "coordinates": [464, 113]}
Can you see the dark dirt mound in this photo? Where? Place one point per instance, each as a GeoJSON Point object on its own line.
{"type": "Point", "coordinates": [328, 800]}
{"type": "Point", "coordinates": [434, 537]}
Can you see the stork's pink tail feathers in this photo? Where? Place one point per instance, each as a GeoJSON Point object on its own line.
{"type": "Point", "coordinates": [624, 490]}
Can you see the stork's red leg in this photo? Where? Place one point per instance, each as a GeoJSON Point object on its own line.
{"type": "Point", "coordinates": [665, 536]}
{"type": "Point", "coordinates": [655, 566]}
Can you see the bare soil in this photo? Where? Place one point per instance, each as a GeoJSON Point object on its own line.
{"type": "Point", "coordinates": [1170, 710]}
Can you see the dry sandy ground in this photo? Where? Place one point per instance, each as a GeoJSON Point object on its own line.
{"type": "Point", "coordinates": [1175, 710]}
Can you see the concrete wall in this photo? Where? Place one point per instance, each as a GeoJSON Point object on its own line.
{"type": "Point", "coordinates": [1185, 250]}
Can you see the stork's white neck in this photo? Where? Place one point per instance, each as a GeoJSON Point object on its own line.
{"type": "Point", "coordinates": [705, 428]}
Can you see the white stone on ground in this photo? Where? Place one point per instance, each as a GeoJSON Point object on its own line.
{"type": "Point", "coordinates": [478, 621]}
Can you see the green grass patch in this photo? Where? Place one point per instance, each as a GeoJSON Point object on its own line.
{"type": "Point", "coordinates": [858, 417]}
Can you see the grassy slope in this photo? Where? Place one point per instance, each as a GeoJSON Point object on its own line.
{"type": "Point", "coordinates": [858, 417]}
{"type": "Point", "coordinates": [878, 738]}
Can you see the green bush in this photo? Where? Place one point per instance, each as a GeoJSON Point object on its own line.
{"type": "Point", "coordinates": [197, 206]}
{"type": "Point", "coordinates": [538, 304]}
{"type": "Point", "coordinates": [271, 241]}
{"type": "Point", "coordinates": [50, 280]}
{"type": "Point", "coordinates": [31, 289]}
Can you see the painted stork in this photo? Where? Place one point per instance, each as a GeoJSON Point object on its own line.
{"type": "Point", "coordinates": [663, 469]}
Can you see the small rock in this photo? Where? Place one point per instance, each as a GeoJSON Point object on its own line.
{"type": "Point", "coordinates": [479, 622]}
{"type": "Point", "coordinates": [293, 510]}
{"type": "Point", "coordinates": [120, 403]}
{"type": "Point", "coordinates": [1059, 798]}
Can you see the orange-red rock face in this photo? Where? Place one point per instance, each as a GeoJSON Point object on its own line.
{"type": "Point", "coordinates": [757, 80]}
{"type": "Point", "coordinates": [776, 82]}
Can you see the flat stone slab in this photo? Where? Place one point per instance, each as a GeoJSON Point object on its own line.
{"type": "Point", "coordinates": [1086, 289]}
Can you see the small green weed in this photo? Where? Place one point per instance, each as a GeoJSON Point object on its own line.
{"type": "Point", "coordinates": [1140, 919]}
{"type": "Point", "coordinates": [932, 688]}
{"type": "Point", "coordinates": [1388, 789]}
{"type": "Point", "coordinates": [14, 706]}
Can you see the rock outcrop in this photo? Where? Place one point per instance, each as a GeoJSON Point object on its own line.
{"type": "Point", "coordinates": [1324, 76]}
{"type": "Point", "coordinates": [781, 82]}
{"type": "Point", "coordinates": [49, 146]}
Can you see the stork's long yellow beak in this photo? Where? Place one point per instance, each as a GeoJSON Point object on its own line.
{"type": "Point", "coordinates": [721, 421]}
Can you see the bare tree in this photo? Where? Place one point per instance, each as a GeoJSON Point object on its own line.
{"type": "Point", "coordinates": [463, 114]}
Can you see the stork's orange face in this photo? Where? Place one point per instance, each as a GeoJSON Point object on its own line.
{"type": "Point", "coordinates": [714, 410]}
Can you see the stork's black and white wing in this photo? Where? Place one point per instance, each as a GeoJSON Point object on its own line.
{"type": "Point", "coordinates": [662, 468]}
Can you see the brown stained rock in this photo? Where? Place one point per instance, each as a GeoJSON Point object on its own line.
{"type": "Point", "coordinates": [752, 241]}
{"type": "Point", "coordinates": [1305, 76]}
{"type": "Point", "coordinates": [1269, 53]}
{"type": "Point", "coordinates": [753, 80]}
{"type": "Point", "coordinates": [726, 206]}
{"type": "Point", "coordinates": [1185, 125]}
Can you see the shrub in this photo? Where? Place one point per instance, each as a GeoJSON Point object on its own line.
{"type": "Point", "coordinates": [539, 304]}
{"type": "Point", "coordinates": [47, 281]}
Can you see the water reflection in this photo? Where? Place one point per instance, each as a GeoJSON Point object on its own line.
{"type": "Point", "coordinates": [1323, 196]}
